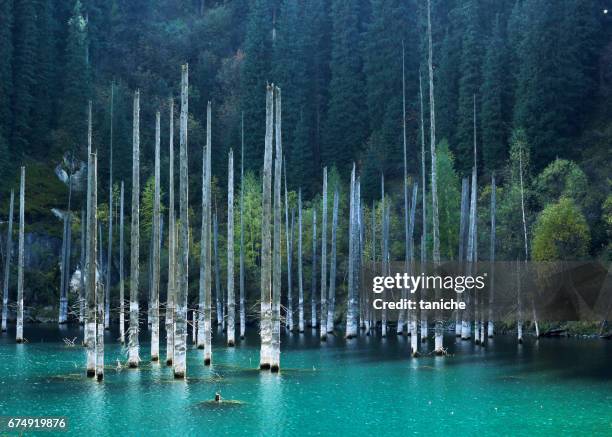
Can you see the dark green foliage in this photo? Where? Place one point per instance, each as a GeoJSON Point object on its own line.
{"type": "Point", "coordinates": [6, 67]}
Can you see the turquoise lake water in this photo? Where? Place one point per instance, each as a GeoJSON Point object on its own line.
{"type": "Point", "coordinates": [367, 386]}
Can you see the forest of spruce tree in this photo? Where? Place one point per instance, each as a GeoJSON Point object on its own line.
{"type": "Point", "coordinates": [535, 74]}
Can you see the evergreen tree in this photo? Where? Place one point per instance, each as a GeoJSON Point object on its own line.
{"type": "Point", "coordinates": [76, 79]}
{"type": "Point", "coordinates": [469, 85]}
{"type": "Point", "coordinates": [494, 98]}
{"type": "Point", "coordinates": [346, 126]}
{"type": "Point", "coordinates": [6, 68]}
{"type": "Point", "coordinates": [255, 75]}
{"type": "Point", "coordinates": [448, 73]}
{"type": "Point", "coordinates": [24, 79]}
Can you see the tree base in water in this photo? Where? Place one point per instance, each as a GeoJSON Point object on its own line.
{"type": "Point", "coordinates": [440, 352]}
{"type": "Point", "coordinates": [275, 368]}
{"type": "Point", "coordinates": [100, 376]}
{"type": "Point", "coordinates": [324, 337]}
{"type": "Point", "coordinates": [154, 358]}
{"type": "Point", "coordinates": [520, 340]}
{"type": "Point", "coordinates": [200, 346]}
{"type": "Point", "coordinates": [415, 354]}
{"type": "Point", "coordinates": [424, 340]}
{"type": "Point", "coordinates": [230, 343]}
{"type": "Point", "coordinates": [133, 365]}
{"type": "Point", "coordinates": [476, 342]}
{"type": "Point", "coordinates": [91, 373]}
{"type": "Point", "coordinates": [168, 362]}
{"type": "Point", "coordinates": [179, 375]}
{"type": "Point", "coordinates": [207, 361]}
{"type": "Point", "coordinates": [19, 340]}
{"type": "Point", "coordinates": [264, 366]}
{"type": "Point", "coordinates": [465, 338]}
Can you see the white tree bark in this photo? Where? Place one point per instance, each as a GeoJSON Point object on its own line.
{"type": "Point", "coordinates": [7, 263]}
{"type": "Point", "coordinates": [110, 218]}
{"type": "Point", "coordinates": [466, 328]}
{"type": "Point", "coordinates": [491, 325]}
{"type": "Point", "coordinates": [265, 355]}
{"type": "Point", "coordinates": [133, 344]}
{"type": "Point", "coordinates": [462, 229]}
{"type": "Point", "coordinates": [424, 323]}
{"type": "Point", "coordinates": [276, 271]}
{"type": "Point", "coordinates": [401, 321]}
{"type": "Point", "coordinates": [300, 276]}
{"type": "Point", "coordinates": [171, 289]}
{"type": "Point", "coordinates": [180, 339]}
{"type": "Point", "coordinates": [414, 332]}
{"type": "Point", "coordinates": [82, 294]}
{"type": "Point", "coordinates": [384, 251]}
{"type": "Point", "coordinates": [218, 293]}
{"type": "Point", "coordinates": [332, 269]}
{"type": "Point", "coordinates": [231, 299]}
{"type": "Point", "coordinates": [351, 317]}
{"type": "Point", "coordinates": [91, 280]}
{"type": "Point", "coordinates": [205, 316]}
{"type": "Point", "coordinates": [242, 272]}
{"type": "Point", "coordinates": [19, 335]}
{"type": "Point", "coordinates": [121, 272]}
{"type": "Point", "coordinates": [156, 247]}
{"type": "Point", "coordinates": [323, 332]}
{"type": "Point", "coordinates": [96, 282]}
{"type": "Point", "coordinates": [289, 241]}
{"type": "Point", "coordinates": [313, 283]}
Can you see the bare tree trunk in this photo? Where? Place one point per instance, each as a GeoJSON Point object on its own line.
{"type": "Point", "coordinates": [218, 292]}
{"type": "Point", "coordinates": [265, 356]}
{"type": "Point", "coordinates": [384, 251]}
{"type": "Point", "coordinates": [7, 263]}
{"type": "Point", "coordinates": [91, 268]}
{"type": "Point", "coordinates": [82, 293]}
{"type": "Point", "coordinates": [242, 272]}
{"type": "Point", "coordinates": [171, 289]}
{"type": "Point", "coordinates": [97, 283]}
{"type": "Point", "coordinates": [491, 327]}
{"type": "Point", "coordinates": [231, 300]}
{"type": "Point", "coordinates": [323, 333]}
{"type": "Point", "coordinates": [313, 284]}
{"type": "Point", "coordinates": [121, 272]}
{"type": "Point", "coordinates": [520, 311]}
{"type": "Point", "coordinates": [133, 344]}
{"type": "Point", "coordinates": [63, 297]}
{"type": "Point", "coordinates": [424, 323]}
{"type": "Point", "coordinates": [466, 329]}
{"type": "Point", "coordinates": [351, 317]}
{"type": "Point", "coordinates": [180, 338]}
{"type": "Point", "coordinates": [205, 316]}
{"type": "Point", "coordinates": [401, 321]}
{"type": "Point", "coordinates": [156, 247]}
{"type": "Point", "coordinates": [370, 316]}
{"type": "Point", "coordinates": [289, 241]}
{"type": "Point", "coordinates": [276, 271]}
{"type": "Point", "coordinates": [300, 276]}
{"type": "Point", "coordinates": [462, 228]}
{"type": "Point", "coordinates": [19, 336]}
{"type": "Point", "coordinates": [110, 218]}
{"type": "Point", "coordinates": [477, 299]}
{"type": "Point", "coordinates": [332, 269]}
{"type": "Point", "coordinates": [414, 332]}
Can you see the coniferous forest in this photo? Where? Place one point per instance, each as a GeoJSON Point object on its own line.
{"type": "Point", "coordinates": [197, 174]}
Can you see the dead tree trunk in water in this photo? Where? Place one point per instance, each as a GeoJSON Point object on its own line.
{"type": "Point", "coordinates": [242, 272]}
{"type": "Point", "coordinates": [180, 338]}
{"type": "Point", "coordinates": [300, 275]}
{"type": "Point", "coordinates": [231, 299]}
{"type": "Point", "coordinates": [82, 293]}
{"type": "Point", "coordinates": [91, 281]}
{"type": "Point", "coordinates": [7, 263]}
{"type": "Point", "coordinates": [384, 251]}
{"type": "Point", "coordinates": [323, 334]}
{"type": "Point", "coordinates": [289, 241]}
{"type": "Point", "coordinates": [121, 272]}
{"type": "Point", "coordinates": [218, 292]}
{"type": "Point", "coordinates": [313, 284]}
{"type": "Point", "coordinates": [491, 326]}
{"type": "Point", "coordinates": [98, 284]}
{"type": "Point", "coordinates": [171, 289]}
{"type": "Point", "coordinates": [265, 355]}
{"type": "Point", "coordinates": [19, 335]}
{"type": "Point", "coordinates": [351, 317]}
{"type": "Point", "coordinates": [414, 332]}
{"type": "Point", "coordinates": [276, 271]}
{"type": "Point", "coordinates": [133, 345]}
{"type": "Point", "coordinates": [401, 321]}
{"type": "Point", "coordinates": [424, 323]}
{"type": "Point", "coordinates": [156, 248]}
{"type": "Point", "coordinates": [332, 269]}
{"type": "Point", "coordinates": [462, 230]}
{"type": "Point", "coordinates": [110, 219]}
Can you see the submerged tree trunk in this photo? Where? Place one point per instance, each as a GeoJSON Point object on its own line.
{"type": "Point", "coordinates": [82, 293]}
{"type": "Point", "coordinates": [242, 272]}
{"type": "Point", "coordinates": [313, 284]}
{"type": "Point", "coordinates": [96, 273]}
{"type": "Point", "coordinates": [401, 321]}
{"type": "Point", "coordinates": [519, 329]}
{"type": "Point", "coordinates": [466, 328]}
{"type": "Point", "coordinates": [180, 338]}
{"type": "Point", "coordinates": [218, 292]}
{"type": "Point", "coordinates": [384, 251]}
{"type": "Point", "coordinates": [491, 327]}
{"type": "Point", "coordinates": [351, 317]}
{"type": "Point", "coordinates": [133, 345]}
{"type": "Point", "coordinates": [424, 323]}
{"type": "Point", "coordinates": [332, 269]}
{"type": "Point", "coordinates": [231, 300]}
{"type": "Point", "coordinates": [91, 281]}
{"type": "Point", "coordinates": [462, 227]}
{"type": "Point", "coordinates": [414, 332]}
{"type": "Point", "coordinates": [121, 272]}
{"type": "Point", "coordinates": [63, 296]}
{"type": "Point", "coordinates": [110, 218]}
{"type": "Point", "coordinates": [171, 288]}
{"type": "Point", "coordinates": [323, 333]}
{"type": "Point", "coordinates": [156, 248]}
{"type": "Point", "coordinates": [19, 335]}
{"type": "Point", "coordinates": [289, 241]}
{"type": "Point", "coordinates": [205, 312]}
{"type": "Point", "coordinates": [7, 263]}
{"type": "Point", "coordinates": [300, 276]}
{"type": "Point", "coordinates": [276, 271]}
{"type": "Point", "coordinates": [265, 355]}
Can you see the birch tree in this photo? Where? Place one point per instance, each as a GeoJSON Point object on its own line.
{"type": "Point", "coordinates": [82, 293]}
{"type": "Point", "coordinates": [242, 272]}
{"type": "Point", "coordinates": [205, 314]}
{"type": "Point", "coordinates": [384, 251]}
{"type": "Point", "coordinates": [97, 284]}
{"type": "Point", "coordinates": [414, 333]}
{"type": "Point", "coordinates": [351, 317]}
{"type": "Point", "coordinates": [313, 284]}
{"type": "Point", "coordinates": [332, 269]}
{"type": "Point", "coordinates": [156, 247]}
{"type": "Point", "coordinates": [180, 338]}
{"type": "Point", "coordinates": [461, 255]}
{"type": "Point", "coordinates": [133, 344]}
{"type": "Point", "coordinates": [231, 300]}
{"type": "Point", "coordinates": [323, 332]}
{"type": "Point", "coordinates": [289, 241]}
{"type": "Point", "coordinates": [7, 263]}
{"type": "Point", "coordinates": [265, 355]}
{"type": "Point", "coordinates": [19, 334]}
{"type": "Point", "coordinates": [91, 281]}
